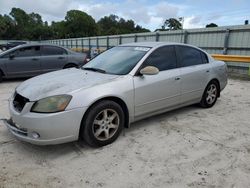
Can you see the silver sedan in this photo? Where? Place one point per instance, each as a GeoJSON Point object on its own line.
{"type": "Point", "coordinates": [120, 86]}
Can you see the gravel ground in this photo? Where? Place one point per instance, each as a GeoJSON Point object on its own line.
{"type": "Point", "coordinates": [189, 147]}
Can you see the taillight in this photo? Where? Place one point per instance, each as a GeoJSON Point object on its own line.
{"type": "Point", "coordinates": [86, 60]}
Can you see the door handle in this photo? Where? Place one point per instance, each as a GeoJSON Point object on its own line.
{"type": "Point", "coordinates": [60, 57]}
{"type": "Point", "coordinates": [207, 70]}
{"type": "Point", "coordinates": [34, 59]}
{"type": "Point", "coordinates": [177, 78]}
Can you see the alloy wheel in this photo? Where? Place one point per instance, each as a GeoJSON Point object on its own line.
{"type": "Point", "coordinates": [105, 124]}
{"type": "Point", "coordinates": [211, 94]}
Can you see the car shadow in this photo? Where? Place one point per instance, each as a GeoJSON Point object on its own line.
{"type": "Point", "coordinates": [11, 80]}
{"type": "Point", "coordinates": [79, 147]}
{"type": "Point", "coordinates": [166, 115]}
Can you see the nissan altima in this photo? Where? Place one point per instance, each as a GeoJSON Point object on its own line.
{"type": "Point", "coordinates": [120, 86]}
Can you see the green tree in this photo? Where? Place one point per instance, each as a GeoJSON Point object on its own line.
{"type": "Point", "coordinates": [28, 26]}
{"type": "Point", "coordinates": [21, 21]}
{"type": "Point", "coordinates": [3, 26]}
{"type": "Point", "coordinates": [211, 25]}
{"type": "Point", "coordinates": [113, 25]}
{"type": "Point", "coordinates": [108, 25]}
{"type": "Point", "coordinates": [172, 24]}
{"type": "Point", "coordinates": [21, 25]}
{"type": "Point", "coordinates": [7, 27]}
{"type": "Point", "coordinates": [59, 30]}
{"type": "Point", "coordinates": [80, 24]}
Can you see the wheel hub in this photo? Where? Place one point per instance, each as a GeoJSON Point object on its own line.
{"type": "Point", "coordinates": [106, 124]}
{"type": "Point", "coordinates": [211, 94]}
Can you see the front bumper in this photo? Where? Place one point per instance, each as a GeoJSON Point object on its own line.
{"type": "Point", "coordinates": [52, 128]}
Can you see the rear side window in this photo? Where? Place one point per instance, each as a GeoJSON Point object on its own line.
{"type": "Point", "coordinates": [164, 58]}
{"type": "Point", "coordinates": [53, 50]}
{"type": "Point", "coordinates": [27, 51]}
{"type": "Point", "coordinates": [189, 56]}
{"type": "Point", "coordinates": [204, 58]}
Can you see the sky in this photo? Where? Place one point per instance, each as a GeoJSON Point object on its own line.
{"type": "Point", "coordinates": [147, 13]}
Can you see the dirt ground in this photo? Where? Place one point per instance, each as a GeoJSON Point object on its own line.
{"type": "Point", "coordinates": [189, 147]}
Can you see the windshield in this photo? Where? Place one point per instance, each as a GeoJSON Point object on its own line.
{"type": "Point", "coordinates": [118, 60]}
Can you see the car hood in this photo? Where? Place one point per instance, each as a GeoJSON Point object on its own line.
{"type": "Point", "coordinates": [61, 82]}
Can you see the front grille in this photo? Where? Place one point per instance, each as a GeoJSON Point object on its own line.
{"type": "Point", "coordinates": [19, 102]}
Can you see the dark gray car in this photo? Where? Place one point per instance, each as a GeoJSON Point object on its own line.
{"type": "Point", "coordinates": [34, 59]}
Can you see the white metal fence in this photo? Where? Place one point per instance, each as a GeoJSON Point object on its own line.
{"type": "Point", "coordinates": [233, 40]}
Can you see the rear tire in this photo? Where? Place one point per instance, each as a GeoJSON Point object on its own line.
{"type": "Point", "coordinates": [102, 124]}
{"type": "Point", "coordinates": [210, 95]}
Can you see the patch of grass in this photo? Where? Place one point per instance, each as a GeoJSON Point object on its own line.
{"type": "Point", "coordinates": [236, 76]}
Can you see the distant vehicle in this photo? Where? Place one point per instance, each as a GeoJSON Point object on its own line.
{"type": "Point", "coordinates": [120, 86]}
{"type": "Point", "coordinates": [33, 59]}
{"type": "Point", "coordinates": [9, 45]}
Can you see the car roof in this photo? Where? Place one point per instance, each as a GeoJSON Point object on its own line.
{"type": "Point", "coordinates": [33, 44]}
{"type": "Point", "coordinates": [38, 44]}
{"type": "Point", "coordinates": [159, 44]}
{"type": "Point", "coordinates": [155, 44]}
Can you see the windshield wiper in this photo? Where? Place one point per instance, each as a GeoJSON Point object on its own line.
{"type": "Point", "coordinates": [94, 69]}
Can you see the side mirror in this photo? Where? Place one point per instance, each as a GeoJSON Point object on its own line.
{"type": "Point", "coordinates": [149, 70]}
{"type": "Point", "coordinates": [11, 56]}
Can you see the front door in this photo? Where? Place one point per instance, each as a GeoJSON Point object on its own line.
{"type": "Point", "coordinates": [160, 91]}
{"type": "Point", "coordinates": [23, 62]}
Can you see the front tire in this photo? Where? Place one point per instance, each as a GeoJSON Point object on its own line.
{"type": "Point", "coordinates": [103, 123]}
{"type": "Point", "coordinates": [210, 95]}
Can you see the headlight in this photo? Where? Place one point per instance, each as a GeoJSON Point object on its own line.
{"type": "Point", "coordinates": [52, 104]}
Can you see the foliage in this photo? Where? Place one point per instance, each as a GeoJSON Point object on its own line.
{"type": "Point", "coordinates": [79, 24]}
{"type": "Point", "coordinates": [172, 24]}
{"type": "Point", "coordinates": [23, 26]}
{"type": "Point", "coordinates": [113, 25]}
{"type": "Point", "coordinates": [211, 25]}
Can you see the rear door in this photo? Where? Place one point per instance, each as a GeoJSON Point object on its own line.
{"type": "Point", "coordinates": [160, 91]}
{"type": "Point", "coordinates": [194, 70]}
{"type": "Point", "coordinates": [24, 61]}
{"type": "Point", "coordinates": [53, 58]}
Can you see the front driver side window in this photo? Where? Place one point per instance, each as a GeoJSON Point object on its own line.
{"type": "Point", "coordinates": [164, 58]}
{"type": "Point", "coordinates": [27, 51]}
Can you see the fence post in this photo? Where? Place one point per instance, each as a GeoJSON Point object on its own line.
{"type": "Point", "coordinates": [97, 43]}
{"type": "Point", "coordinates": [120, 39]}
{"type": "Point", "coordinates": [67, 45]}
{"type": "Point", "coordinates": [157, 36]}
{"type": "Point", "coordinates": [76, 44]}
{"type": "Point", "coordinates": [82, 45]}
{"type": "Point", "coordinates": [226, 40]}
{"type": "Point", "coordinates": [107, 42]}
{"type": "Point", "coordinates": [89, 52]}
{"type": "Point", "coordinates": [135, 38]}
{"type": "Point", "coordinates": [71, 43]}
{"type": "Point", "coordinates": [185, 37]}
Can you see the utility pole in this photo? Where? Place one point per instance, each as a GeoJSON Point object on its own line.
{"type": "Point", "coordinates": [181, 19]}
